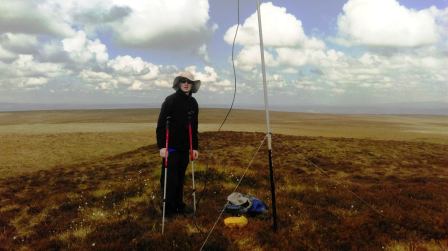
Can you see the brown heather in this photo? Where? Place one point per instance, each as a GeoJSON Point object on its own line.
{"type": "Point", "coordinates": [90, 181]}
{"type": "Point", "coordinates": [114, 203]}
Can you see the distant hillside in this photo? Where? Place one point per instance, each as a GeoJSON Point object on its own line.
{"type": "Point", "coordinates": [4, 107]}
{"type": "Point", "coordinates": [430, 108]}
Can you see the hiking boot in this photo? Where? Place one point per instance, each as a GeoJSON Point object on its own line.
{"type": "Point", "coordinates": [169, 212]}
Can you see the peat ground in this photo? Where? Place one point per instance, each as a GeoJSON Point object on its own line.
{"type": "Point", "coordinates": [332, 194]}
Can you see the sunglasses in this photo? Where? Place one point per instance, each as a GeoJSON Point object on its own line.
{"type": "Point", "coordinates": [184, 80]}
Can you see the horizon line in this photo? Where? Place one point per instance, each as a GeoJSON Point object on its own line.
{"type": "Point", "coordinates": [374, 109]}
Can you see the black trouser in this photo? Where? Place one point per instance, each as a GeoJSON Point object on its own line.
{"type": "Point", "coordinates": [177, 165]}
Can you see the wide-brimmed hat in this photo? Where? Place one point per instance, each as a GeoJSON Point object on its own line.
{"type": "Point", "coordinates": [238, 199]}
{"type": "Point", "coordinates": [188, 75]}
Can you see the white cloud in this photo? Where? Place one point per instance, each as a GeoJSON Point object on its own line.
{"type": "Point", "coordinates": [25, 65]}
{"type": "Point", "coordinates": [417, 76]}
{"type": "Point", "coordinates": [123, 72]}
{"type": "Point", "coordinates": [306, 85]}
{"type": "Point", "coordinates": [284, 47]}
{"type": "Point", "coordinates": [276, 81]}
{"type": "Point", "coordinates": [25, 72]}
{"type": "Point", "coordinates": [164, 83]}
{"type": "Point", "coordinates": [32, 17]}
{"type": "Point", "coordinates": [249, 57]}
{"type": "Point", "coordinates": [298, 57]}
{"type": "Point", "coordinates": [65, 33]}
{"type": "Point", "coordinates": [387, 23]}
{"type": "Point", "coordinates": [106, 86]}
{"type": "Point", "coordinates": [286, 57]}
{"type": "Point", "coordinates": [53, 51]}
{"type": "Point", "coordinates": [442, 21]}
{"type": "Point", "coordinates": [19, 43]}
{"type": "Point", "coordinates": [292, 57]}
{"type": "Point", "coordinates": [12, 44]}
{"type": "Point", "coordinates": [158, 23]}
{"type": "Point", "coordinates": [96, 12]}
{"type": "Point", "coordinates": [128, 65]}
{"type": "Point", "coordinates": [314, 44]}
{"type": "Point", "coordinates": [30, 82]}
{"type": "Point", "coordinates": [134, 23]}
{"type": "Point", "coordinates": [210, 80]}
{"type": "Point", "coordinates": [93, 76]}
{"type": "Point", "coordinates": [136, 86]}
{"type": "Point", "coordinates": [6, 54]}
{"type": "Point", "coordinates": [290, 70]}
{"type": "Point", "coordinates": [57, 44]}
{"type": "Point", "coordinates": [336, 91]}
{"type": "Point", "coordinates": [290, 34]}
{"type": "Point", "coordinates": [209, 74]}
{"type": "Point", "coordinates": [312, 68]}
{"type": "Point", "coordinates": [83, 50]}
{"type": "Point", "coordinates": [202, 52]}
{"type": "Point", "coordinates": [224, 83]}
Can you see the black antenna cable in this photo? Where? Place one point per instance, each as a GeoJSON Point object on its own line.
{"type": "Point", "coordinates": [234, 71]}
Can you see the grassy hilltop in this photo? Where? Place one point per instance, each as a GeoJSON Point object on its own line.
{"type": "Point", "coordinates": [40, 140]}
{"type": "Point", "coordinates": [88, 180]}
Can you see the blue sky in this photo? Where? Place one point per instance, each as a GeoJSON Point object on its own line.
{"type": "Point", "coordinates": [339, 53]}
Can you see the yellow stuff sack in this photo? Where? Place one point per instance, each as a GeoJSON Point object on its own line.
{"type": "Point", "coordinates": [235, 222]}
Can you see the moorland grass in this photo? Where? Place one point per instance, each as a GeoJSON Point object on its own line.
{"type": "Point", "coordinates": [39, 140]}
{"type": "Point", "coordinates": [332, 194]}
{"type": "Point", "coordinates": [88, 180]}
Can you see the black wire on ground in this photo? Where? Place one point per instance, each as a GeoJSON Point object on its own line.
{"type": "Point", "coordinates": [236, 187]}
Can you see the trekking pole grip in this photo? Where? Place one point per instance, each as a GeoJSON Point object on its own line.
{"type": "Point", "coordinates": [168, 118]}
{"type": "Point", "coordinates": [190, 135]}
{"type": "Point", "coordinates": [167, 135]}
{"type": "Point", "coordinates": [190, 115]}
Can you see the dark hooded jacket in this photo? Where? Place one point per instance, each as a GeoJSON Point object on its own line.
{"type": "Point", "coordinates": [179, 107]}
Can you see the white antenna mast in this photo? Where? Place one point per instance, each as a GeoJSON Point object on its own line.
{"type": "Point", "coordinates": [268, 126]}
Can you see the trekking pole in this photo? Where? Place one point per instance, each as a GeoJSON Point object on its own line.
{"type": "Point", "coordinates": [190, 133]}
{"type": "Point", "coordinates": [167, 135]}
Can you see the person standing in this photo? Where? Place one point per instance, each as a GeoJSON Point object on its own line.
{"type": "Point", "coordinates": [181, 108]}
